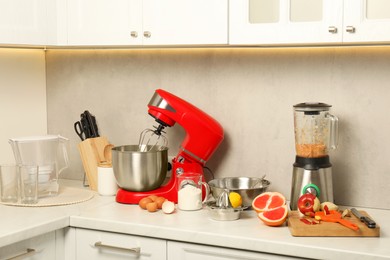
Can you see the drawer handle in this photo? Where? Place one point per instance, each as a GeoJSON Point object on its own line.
{"type": "Point", "coordinates": [136, 250]}
{"type": "Point", "coordinates": [29, 252]}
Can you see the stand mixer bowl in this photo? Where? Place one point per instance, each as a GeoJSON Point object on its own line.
{"type": "Point", "coordinates": [139, 171]}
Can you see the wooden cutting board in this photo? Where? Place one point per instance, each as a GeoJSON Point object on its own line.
{"type": "Point", "coordinates": [328, 229]}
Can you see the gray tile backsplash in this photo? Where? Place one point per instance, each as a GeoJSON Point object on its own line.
{"type": "Point", "coordinates": [251, 93]}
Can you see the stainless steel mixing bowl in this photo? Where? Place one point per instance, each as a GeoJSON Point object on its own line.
{"type": "Point", "coordinates": [139, 171]}
{"type": "Point", "coordinates": [247, 187]}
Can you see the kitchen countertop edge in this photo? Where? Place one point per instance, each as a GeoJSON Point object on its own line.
{"type": "Point", "coordinates": [104, 214]}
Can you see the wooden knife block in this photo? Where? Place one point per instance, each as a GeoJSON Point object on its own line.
{"type": "Point", "coordinates": [92, 153]}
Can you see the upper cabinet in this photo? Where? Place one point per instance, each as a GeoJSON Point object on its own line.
{"type": "Point", "coordinates": [284, 22]}
{"type": "Point", "coordinates": [33, 22]}
{"type": "Point", "coordinates": [308, 21]}
{"type": "Point", "coordinates": [366, 21]}
{"type": "Point", "coordinates": [147, 22]}
{"type": "Point", "coordinates": [193, 22]}
{"type": "Point", "coordinates": [102, 22]}
{"type": "Point", "coordinates": [23, 22]}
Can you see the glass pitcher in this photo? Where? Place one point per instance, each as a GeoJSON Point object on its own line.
{"type": "Point", "coordinates": [316, 130]}
{"type": "Point", "coordinates": [49, 152]}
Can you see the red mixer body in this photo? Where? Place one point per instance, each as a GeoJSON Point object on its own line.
{"type": "Point", "coordinates": [203, 136]}
{"type": "Point", "coordinates": [203, 133]}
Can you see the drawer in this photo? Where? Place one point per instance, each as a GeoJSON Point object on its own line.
{"type": "Point", "coordinates": [93, 244]}
{"type": "Point", "coordinates": [39, 247]}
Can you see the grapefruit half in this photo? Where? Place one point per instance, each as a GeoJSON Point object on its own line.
{"type": "Point", "coordinates": [268, 200]}
{"type": "Point", "coordinates": [274, 217]}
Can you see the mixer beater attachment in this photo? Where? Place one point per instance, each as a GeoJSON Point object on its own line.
{"type": "Point", "coordinates": [149, 139]}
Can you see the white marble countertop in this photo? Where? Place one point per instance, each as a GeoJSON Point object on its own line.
{"type": "Point", "coordinates": [19, 223]}
{"type": "Point", "coordinates": [248, 233]}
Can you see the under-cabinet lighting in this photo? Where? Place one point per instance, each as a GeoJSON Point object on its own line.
{"type": "Point", "coordinates": [199, 49]}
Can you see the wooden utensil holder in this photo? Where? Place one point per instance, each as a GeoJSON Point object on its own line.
{"type": "Point", "coordinates": [92, 153]}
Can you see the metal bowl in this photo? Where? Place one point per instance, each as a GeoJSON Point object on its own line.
{"type": "Point", "coordinates": [247, 187]}
{"type": "Point", "coordinates": [139, 171]}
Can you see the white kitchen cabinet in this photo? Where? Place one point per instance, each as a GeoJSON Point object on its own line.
{"type": "Point", "coordinates": [147, 22]}
{"type": "Point", "coordinates": [102, 22]}
{"type": "Point", "coordinates": [308, 21]}
{"type": "Point", "coordinates": [95, 244]}
{"type": "Point", "coordinates": [366, 21]}
{"type": "Point", "coordinates": [23, 22]}
{"type": "Point", "coordinates": [284, 22]}
{"type": "Point", "coordinates": [35, 22]}
{"type": "Point", "coordinates": [187, 251]}
{"type": "Point", "coordinates": [40, 247]}
{"type": "Point", "coordinates": [92, 244]}
{"type": "Point", "coordinates": [182, 22]}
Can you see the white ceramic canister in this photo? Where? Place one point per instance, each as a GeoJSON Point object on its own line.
{"type": "Point", "coordinates": [107, 185]}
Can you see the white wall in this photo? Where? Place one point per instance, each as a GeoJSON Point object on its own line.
{"type": "Point", "coordinates": [22, 98]}
{"type": "Point", "coordinates": [251, 93]}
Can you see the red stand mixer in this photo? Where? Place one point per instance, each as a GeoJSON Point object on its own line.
{"type": "Point", "coordinates": [203, 136]}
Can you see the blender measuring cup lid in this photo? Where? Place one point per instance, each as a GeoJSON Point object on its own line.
{"type": "Point", "coordinates": [312, 106]}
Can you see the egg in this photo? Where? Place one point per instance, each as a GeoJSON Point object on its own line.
{"type": "Point", "coordinates": [160, 201]}
{"type": "Point", "coordinates": [168, 207]}
{"type": "Point", "coordinates": [143, 202]}
{"type": "Point", "coordinates": [151, 207]}
{"type": "Point", "coordinates": [153, 197]}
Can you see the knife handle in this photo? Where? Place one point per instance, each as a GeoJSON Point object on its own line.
{"type": "Point", "coordinates": [366, 220]}
{"type": "Point", "coordinates": [369, 222]}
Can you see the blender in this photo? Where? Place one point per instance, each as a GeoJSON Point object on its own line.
{"type": "Point", "coordinates": [316, 132]}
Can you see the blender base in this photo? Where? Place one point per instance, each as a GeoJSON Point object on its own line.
{"type": "Point", "coordinates": [321, 177]}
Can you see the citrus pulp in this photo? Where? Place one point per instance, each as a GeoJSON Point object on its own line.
{"type": "Point", "coordinates": [268, 200]}
{"type": "Point", "coordinates": [274, 217]}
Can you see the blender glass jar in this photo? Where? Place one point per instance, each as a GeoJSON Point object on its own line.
{"type": "Point", "coordinates": [316, 130]}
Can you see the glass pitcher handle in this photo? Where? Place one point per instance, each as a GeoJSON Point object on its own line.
{"type": "Point", "coordinates": [334, 131]}
{"type": "Point", "coordinates": [207, 189]}
{"type": "Point", "coordinates": [64, 149]}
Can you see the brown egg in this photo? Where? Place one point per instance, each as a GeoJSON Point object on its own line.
{"type": "Point", "coordinates": [153, 197]}
{"type": "Point", "coordinates": [143, 202]}
{"type": "Point", "coordinates": [151, 207]}
{"type": "Point", "coordinates": [160, 201]}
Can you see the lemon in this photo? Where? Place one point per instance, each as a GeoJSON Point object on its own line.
{"type": "Point", "coordinates": [235, 199]}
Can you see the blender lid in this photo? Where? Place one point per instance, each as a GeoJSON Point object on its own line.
{"type": "Point", "coordinates": [312, 106]}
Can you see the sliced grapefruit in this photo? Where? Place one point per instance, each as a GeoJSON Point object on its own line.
{"type": "Point", "coordinates": [268, 200]}
{"type": "Point", "coordinates": [274, 217]}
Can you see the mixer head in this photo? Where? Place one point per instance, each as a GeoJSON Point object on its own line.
{"type": "Point", "coordinates": [203, 133]}
{"type": "Point", "coordinates": [150, 139]}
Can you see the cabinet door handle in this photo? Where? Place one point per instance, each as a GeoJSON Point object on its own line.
{"type": "Point", "coordinates": [332, 29]}
{"type": "Point", "coordinates": [136, 250]}
{"type": "Point", "coordinates": [350, 29]}
{"type": "Point", "coordinates": [29, 252]}
{"type": "Point", "coordinates": [134, 34]}
{"type": "Point", "coordinates": [147, 34]}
